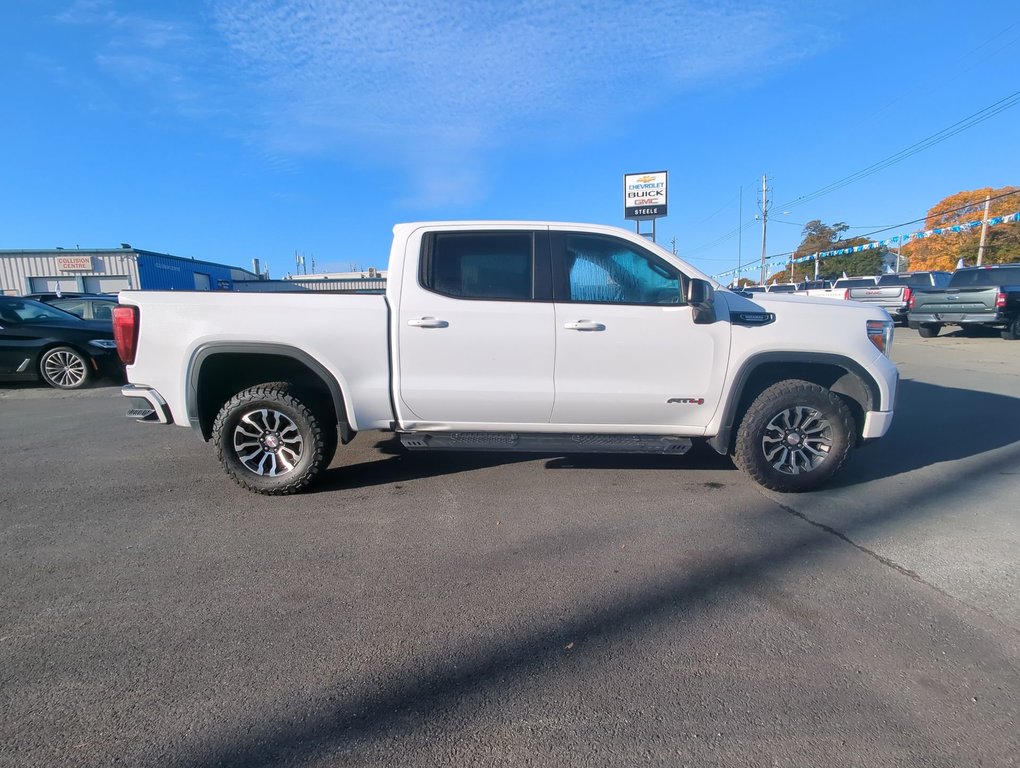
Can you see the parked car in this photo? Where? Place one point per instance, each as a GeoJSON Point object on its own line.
{"type": "Point", "coordinates": [893, 291]}
{"type": "Point", "coordinates": [87, 306]}
{"type": "Point", "coordinates": [38, 341]}
{"type": "Point", "coordinates": [771, 288]}
{"type": "Point", "coordinates": [975, 297]}
{"type": "Point", "coordinates": [840, 289]}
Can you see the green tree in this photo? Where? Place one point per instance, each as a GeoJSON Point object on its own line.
{"type": "Point", "coordinates": [818, 237]}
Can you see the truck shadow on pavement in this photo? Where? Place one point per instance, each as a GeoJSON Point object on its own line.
{"type": "Point", "coordinates": [401, 465]}
{"type": "Point", "coordinates": [933, 424]}
{"type": "Point", "coordinates": [936, 424]}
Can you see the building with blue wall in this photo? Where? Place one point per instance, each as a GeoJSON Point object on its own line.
{"type": "Point", "coordinates": [108, 270]}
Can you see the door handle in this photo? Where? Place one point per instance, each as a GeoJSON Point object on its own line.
{"type": "Point", "coordinates": [584, 325]}
{"type": "Point", "coordinates": [427, 322]}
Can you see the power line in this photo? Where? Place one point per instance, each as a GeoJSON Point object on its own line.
{"type": "Point", "coordinates": [936, 138]}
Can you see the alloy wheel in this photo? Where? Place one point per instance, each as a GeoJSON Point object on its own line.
{"type": "Point", "coordinates": [65, 369]}
{"type": "Point", "coordinates": [797, 440]}
{"type": "Point", "coordinates": [268, 442]}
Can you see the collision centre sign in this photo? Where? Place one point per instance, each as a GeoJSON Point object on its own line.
{"type": "Point", "coordinates": [644, 195]}
{"type": "Point", "coordinates": [74, 263]}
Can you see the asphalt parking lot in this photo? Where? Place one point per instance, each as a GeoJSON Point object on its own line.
{"type": "Point", "coordinates": [505, 610]}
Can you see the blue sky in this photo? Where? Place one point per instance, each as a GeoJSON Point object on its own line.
{"type": "Point", "coordinates": [234, 129]}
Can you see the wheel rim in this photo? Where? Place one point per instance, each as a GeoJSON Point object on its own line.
{"type": "Point", "coordinates": [65, 369]}
{"type": "Point", "coordinates": [268, 442]}
{"type": "Point", "coordinates": [797, 440]}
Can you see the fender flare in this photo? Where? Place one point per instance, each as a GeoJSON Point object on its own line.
{"type": "Point", "coordinates": [205, 351]}
{"type": "Point", "coordinates": [857, 383]}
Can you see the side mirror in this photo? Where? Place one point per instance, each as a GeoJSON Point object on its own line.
{"type": "Point", "coordinates": [701, 297]}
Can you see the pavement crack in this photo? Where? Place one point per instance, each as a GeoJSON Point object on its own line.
{"type": "Point", "coordinates": [869, 552]}
{"type": "Point", "coordinates": [912, 575]}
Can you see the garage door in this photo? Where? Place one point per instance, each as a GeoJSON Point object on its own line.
{"type": "Point", "coordinates": [49, 284]}
{"type": "Point", "coordinates": [107, 283]}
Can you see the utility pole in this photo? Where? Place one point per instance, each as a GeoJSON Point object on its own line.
{"type": "Point", "coordinates": [740, 229]}
{"type": "Point", "coordinates": [764, 221]}
{"type": "Point", "coordinates": [984, 230]}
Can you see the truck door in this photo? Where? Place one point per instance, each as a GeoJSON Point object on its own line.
{"type": "Point", "coordinates": [628, 353]}
{"type": "Point", "coordinates": [475, 340]}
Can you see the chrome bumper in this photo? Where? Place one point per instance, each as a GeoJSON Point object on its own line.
{"type": "Point", "coordinates": [155, 409]}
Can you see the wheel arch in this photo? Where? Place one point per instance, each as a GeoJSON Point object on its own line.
{"type": "Point", "coordinates": [837, 373]}
{"type": "Point", "coordinates": [218, 371]}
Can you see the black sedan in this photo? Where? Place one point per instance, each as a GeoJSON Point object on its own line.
{"type": "Point", "coordinates": [41, 342]}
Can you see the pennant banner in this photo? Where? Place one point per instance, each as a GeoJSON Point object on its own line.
{"type": "Point", "coordinates": [898, 240]}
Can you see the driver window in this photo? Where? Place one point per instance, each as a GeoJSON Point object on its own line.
{"type": "Point", "coordinates": [606, 270]}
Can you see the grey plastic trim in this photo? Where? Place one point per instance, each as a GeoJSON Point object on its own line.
{"type": "Point", "coordinates": [206, 351]}
{"type": "Point", "coordinates": [721, 440]}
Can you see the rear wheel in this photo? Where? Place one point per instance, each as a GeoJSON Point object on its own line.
{"type": "Point", "coordinates": [1012, 331]}
{"type": "Point", "coordinates": [65, 368]}
{"type": "Point", "coordinates": [794, 437]}
{"type": "Point", "coordinates": [929, 330]}
{"type": "Point", "coordinates": [270, 441]}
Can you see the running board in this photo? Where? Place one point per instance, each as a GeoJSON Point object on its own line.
{"type": "Point", "coordinates": [544, 443]}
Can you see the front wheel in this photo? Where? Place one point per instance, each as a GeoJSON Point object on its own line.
{"type": "Point", "coordinates": [795, 436]}
{"type": "Point", "coordinates": [271, 442]}
{"type": "Point", "coordinates": [65, 368]}
{"type": "Point", "coordinates": [1012, 331]}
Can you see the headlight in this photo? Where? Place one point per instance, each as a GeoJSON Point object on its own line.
{"type": "Point", "coordinates": [880, 333]}
{"type": "Point", "coordinates": [103, 343]}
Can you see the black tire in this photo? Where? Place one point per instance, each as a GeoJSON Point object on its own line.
{"type": "Point", "coordinates": [795, 436]}
{"type": "Point", "coordinates": [1012, 331]}
{"type": "Point", "coordinates": [929, 330]}
{"type": "Point", "coordinates": [270, 441]}
{"type": "Point", "coordinates": [65, 368]}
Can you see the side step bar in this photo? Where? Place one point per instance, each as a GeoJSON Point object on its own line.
{"type": "Point", "coordinates": [544, 443]}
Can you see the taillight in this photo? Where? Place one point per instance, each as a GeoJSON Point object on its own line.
{"type": "Point", "coordinates": [846, 295]}
{"type": "Point", "coordinates": [1000, 300]}
{"type": "Point", "coordinates": [125, 332]}
{"type": "Point", "coordinates": [908, 296]}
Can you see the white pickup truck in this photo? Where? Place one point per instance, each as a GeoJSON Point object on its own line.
{"type": "Point", "coordinates": [840, 289]}
{"type": "Point", "coordinates": [513, 336]}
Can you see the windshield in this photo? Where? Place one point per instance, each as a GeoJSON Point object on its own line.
{"type": "Point", "coordinates": [29, 312]}
{"type": "Point", "coordinates": [986, 277]}
{"type": "Point", "coordinates": [783, 289]}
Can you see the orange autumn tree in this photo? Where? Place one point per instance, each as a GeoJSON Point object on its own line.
{"type": "Point", "coordinates": [1002, 245]}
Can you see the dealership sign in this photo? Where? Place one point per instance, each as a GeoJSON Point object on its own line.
{"type": "Point", "coordinates": [644, 195]}
{"type": "Point", "coordinates": [74, 263]}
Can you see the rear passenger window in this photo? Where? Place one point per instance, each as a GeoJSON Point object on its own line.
{"type": "Point", "coordinates": [481, 265]}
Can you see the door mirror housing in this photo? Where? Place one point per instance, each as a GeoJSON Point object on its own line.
{"type": "Point", "coordinates": [701, 297]}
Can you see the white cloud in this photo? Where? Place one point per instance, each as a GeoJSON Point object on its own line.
{"type": "Point", "coordinates": [425, 78]}
{"type": "Point", "coordinates": [431, 86]}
